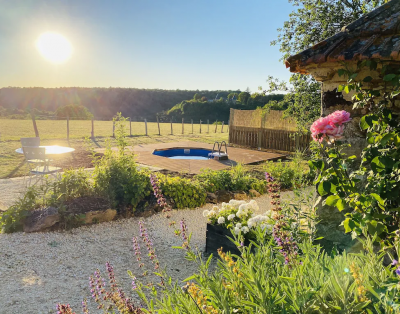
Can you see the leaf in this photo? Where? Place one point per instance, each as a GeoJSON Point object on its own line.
{"type": "Point", "coordinates": [378, 198]}
{"type": "Point", "coordinates": [340, 88]}
{"type": "Point", "coordinates": [332, 200]}
{"type": "Point", "coordinates": [346, 89]}
{"type": "Point", "coordinates": [348, 225]}
{"type": "Point", "coordinates": [385, 139]}
{"type": "Point", "coordinates": [341, 72]}
{"type": "Point", "coordinates": [341, 204]}
{"type": "Point", "coordinates": [324, 188]}
{"type": "Point", "coordinates": [389, 77]}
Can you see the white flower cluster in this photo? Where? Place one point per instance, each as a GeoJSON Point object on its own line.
{"type": "Point", "coordinates": [247, 208]}
{"type": "Point", "coordinates": [261, 220]}
{"type": "Point", "coordinates": [210, 213]}
{"type": "Point", "coordinates": [243, 209]}
{"type": "Point", "coordinates": [239, 228]}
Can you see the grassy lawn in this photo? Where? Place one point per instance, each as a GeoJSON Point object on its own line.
{"type": "Point", "coordinates": [53, 132]}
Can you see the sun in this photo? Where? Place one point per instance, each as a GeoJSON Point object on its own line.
{"type": "Point", "coordinates": [54, 47]}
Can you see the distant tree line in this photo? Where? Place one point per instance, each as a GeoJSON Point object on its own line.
{"type": "Point", "coordinates": [201, 108]}
{"type": "Point", "coordinates": [103, 103]}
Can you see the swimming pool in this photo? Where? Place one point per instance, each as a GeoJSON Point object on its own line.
{"type": "Point", "coordinates": [183, 153]}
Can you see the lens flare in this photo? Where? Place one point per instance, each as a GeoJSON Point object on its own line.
{"type": "Point", "coordinates": [54, 47]}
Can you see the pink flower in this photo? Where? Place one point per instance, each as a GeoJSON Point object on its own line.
{"type": "Point", "coordinates": [336, 132]}
{"type": "Point", "coordinates": [339, 117]}
{"type": "Point", "coordinates": [320, 127]}
{"type": "Point", "coordinates": [330, 127]}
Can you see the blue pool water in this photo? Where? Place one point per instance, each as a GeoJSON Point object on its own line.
{"type": "Point", "coordinates": [184, 153]}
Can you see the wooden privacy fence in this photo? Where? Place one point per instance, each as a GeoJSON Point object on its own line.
{"type": "Point", "coordinates": [269, 139]}
{"type": "Point", "coordinates": [261, 134]}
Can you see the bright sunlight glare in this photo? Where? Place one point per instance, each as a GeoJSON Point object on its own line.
{"type": "Point", "coordinates": [54, 47]}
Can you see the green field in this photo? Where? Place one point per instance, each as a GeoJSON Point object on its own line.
{"type": "Point", "coordinates": [54, 132]}
{"type": "Point", "coordinates": [57, 129]}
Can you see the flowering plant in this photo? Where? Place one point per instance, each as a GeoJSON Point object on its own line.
{"type": "Point", "coordinates": [330, 127]}
{"type": "Point", "coordinates": [240, 216]}
{"type": "Point", "coordinates": [369, 190]}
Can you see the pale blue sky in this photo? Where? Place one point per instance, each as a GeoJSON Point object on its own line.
{"type": "Point", "coordinates": [166, 44]}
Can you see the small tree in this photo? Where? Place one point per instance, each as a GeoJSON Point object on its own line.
{"type": "Point", "coordinates": [243, 97]}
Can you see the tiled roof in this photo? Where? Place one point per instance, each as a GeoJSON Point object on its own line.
{"type": "Point", "coordinates": [375, 35]}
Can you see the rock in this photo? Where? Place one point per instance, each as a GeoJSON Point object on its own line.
{"type": "Point", "coordinates": [224, 196]}
{"type": "Point", "coordinates": [212, 198]}
{"type": "Point", "coordinates": [100, 216]}
{"type": "Point", "coordinates": [254, 193]}
{"type": "Point", "coordinates": [42, 219]}
{"type": "Point", "coordinates": [241, 196]}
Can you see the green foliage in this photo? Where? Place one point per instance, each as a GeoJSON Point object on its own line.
{"type": "Point", "coordinates": [260, 282]}
{"type": "Point", "coordinates": [304, 29]}
{"type": "Point", "coordinates": [291, 174]}
{"type": "Point", "coordinates": [12, 219]}
{"type": "Point", "coordinates": [117, 177]}
{"type": "Point", "coordinates": [74, 112]}
{"type": "Point", "coordinates": [71, 184]}
{"type": "Point", "coordinates": [371, 191]}
{"type": "Point", "coordinates": [235, 179]}
{"type": "Point", "coordinates": [183, 192]}
{"type": "Point", "coordinates": [243, 97]}
{"type": "Point", "coordinates": [218, 109]}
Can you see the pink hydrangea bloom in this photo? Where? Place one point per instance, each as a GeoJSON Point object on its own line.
{"type": "Point", "coordinates": [339, 117]}
{"type": "Point", "coordinates": [320, 127]}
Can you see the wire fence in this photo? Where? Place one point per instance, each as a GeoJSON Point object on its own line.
{"type": "Point", "coordinates": [13, 129]}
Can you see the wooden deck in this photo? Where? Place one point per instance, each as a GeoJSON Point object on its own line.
{"type": "Point", "coordinates": [236, 155]}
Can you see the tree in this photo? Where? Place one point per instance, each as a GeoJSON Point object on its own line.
{"type": "Point", "coordinates": [73, 112]}
{"type": "Point", "coordinates": [312, 22]}
{"type": "Point", "coordinates": [204, 98]}
{"type": "Point", "coordinates": [197, 96]}
{"type": "Point", "coordinates": [243, 97]}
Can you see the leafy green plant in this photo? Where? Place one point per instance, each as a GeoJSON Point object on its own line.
{"type": "Point", "coordinates": [371, 191]}
{"type": "Point", "coordinates": [116, 175]}
{"type": "Point", "coordinates": [183, 192]}
{"type": "Point", "coordinates": [294, 173]}
{"type": "Point", "coordinates": [13, 218]}
{"type": "Point", "coordinates": [234, 179]}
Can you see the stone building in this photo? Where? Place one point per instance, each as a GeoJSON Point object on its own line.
{"type": "Point", "coordinates": [375, 36]}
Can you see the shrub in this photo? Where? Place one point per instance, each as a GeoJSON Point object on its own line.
{"type": "Point", "coordinates": [184, 192]}
{"type": "Point", "coordinates": [215, 180]}
{"type": "Point", "coordinates": [235, 179]}
{"type": "Point", "coordinates": [117, 178]}
{"type": "Point", "coordinates": [12, 219]}
{"type": "Point", "coordinates": [292, 174]}
{"type": "Point", "coordinates": [71, 184]}
{"type": "Point", "coordinates": [116, 175]}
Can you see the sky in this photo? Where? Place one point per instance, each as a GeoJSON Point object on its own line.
{"type": "Point", "coordinates": [165, 44]}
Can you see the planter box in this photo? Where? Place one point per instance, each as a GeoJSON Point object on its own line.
{"type": "Point", "coordinates": [217, 237]}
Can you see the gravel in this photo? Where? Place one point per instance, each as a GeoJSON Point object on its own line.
{"type": "Point", "coordinates": [38, 270]}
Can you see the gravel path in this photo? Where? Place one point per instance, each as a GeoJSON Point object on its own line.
{"type": "Point", "coordinates": [38, 270]}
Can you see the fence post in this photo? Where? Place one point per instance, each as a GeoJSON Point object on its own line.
{"type": "Point", "coordinates": [145, 125]}
{"type": "Point", "coordinates": [130, 126]}
{"type": "Point", "coordinates": [182, 126]}
{"type": "Point", "coordinates": [158, 123]}
{"type": "Point", "coordinates": [192, 126]}
{"type": "Point", "coordinates": [67, 128]}
{"type": "Point", "coordinates": [222, 127]}
{"type": "Point", "coordinates": [172, 131]}
{"type": "Point", "coordinates": [200, 126]}
{"type": "Point", "coordinates": [113, 128]}
{"type": "Point", "coordinates": [208, 126]}
{"type": "Point", "coordinates": [216, 125]}
{"type": "Point", "coordinates": [92, 127]}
